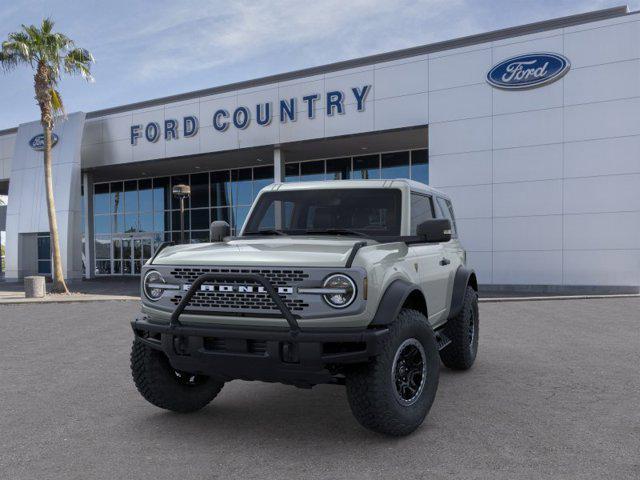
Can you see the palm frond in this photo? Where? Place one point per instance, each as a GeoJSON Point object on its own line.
{"type": "Point", "coordinates": [78, 61]}
{"type": "Point", "coordinates": [47, 25]}
{"type": "Point", "coordinates": [56, 101]}
{"type": "Point", "coordinates": [49, 53]}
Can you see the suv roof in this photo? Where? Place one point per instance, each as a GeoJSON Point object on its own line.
{"type": "Point", "coordinates": [333, 184]}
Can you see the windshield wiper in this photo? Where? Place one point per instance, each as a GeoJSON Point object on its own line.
{"type": "Point", "coordinates": [266, 231]}
{"type": "Point", "coordinates": [337, 231]}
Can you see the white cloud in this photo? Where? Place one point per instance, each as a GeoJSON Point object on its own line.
{"type": "Point", "coordinates": [203, 35]}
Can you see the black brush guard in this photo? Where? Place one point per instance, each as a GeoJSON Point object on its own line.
{"type": "Point", "coordinates": [243, 277]}
{"type": "Point", "coordinates": [289, 355]}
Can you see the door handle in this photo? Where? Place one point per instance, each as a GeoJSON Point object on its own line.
{"type": "Point", "coordinates": [445, 261]}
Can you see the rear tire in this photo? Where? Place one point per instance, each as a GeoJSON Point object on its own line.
{"type": "Point", "coordinates": [163, 386]}
{"type": "Point", "coordinates": [393, 393]}
{"type": "Point", "coordinates": [462, 330]}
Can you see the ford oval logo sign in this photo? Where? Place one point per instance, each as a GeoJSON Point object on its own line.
{"type": "Point", "coordinates": [37, 142]}
{"type": "Point", "coordinates": [528, 71]}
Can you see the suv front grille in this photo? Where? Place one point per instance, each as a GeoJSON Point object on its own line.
{"type": "Point", "coordinates": [254, 302]}
{"type": "Point", "coordinates": [239, 301]}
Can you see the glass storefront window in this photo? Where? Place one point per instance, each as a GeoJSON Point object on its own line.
{"type": "Point", "coordinates": [126, 211]}
{"type": "Point", "coordinates": [240, 217]}
{"type": "Point", "coordinates": [117, 248]}
{"type": "Point", "coordinates": [102, 247]}
{"type": "Point", "coordinates": [44, 253]}
{"type": "Point", "coordinates": [395, 165]}
{"type": "Point", "coordinates": [420, 166]}
{"type": "Point", "coordinates": [145, 222]}
{"type": "Point", "coordinates": [241, 187]}
{"type": "Point", "coordinates": [175, 220]}
{"type": "Point", "coordinates": [199, 219]}
{"type": "Point", "coordinates": [117, 223]}
{"type": "Point", "coordinates": [102, 224]}
{"type": "Point", "coordinates": [131, 223]}
{"type": "Point", "coordinates": [200, 236]}
{"type": "Point", "coordinates": [220, 214]}
{"type": "Point", "coordinates": [131, 196]}
{"type": "Point", "coordinates": [145, 195]}
{"type": "Point", "coordinates": [292, 172]}
{"type": "Point", "coordinates": [262, 176]}
{"type": "Point", "coordinates": [103, 267]}
{"type": "Point", "coordinates": [366, 167]}
{"type": "Point", "coordinates": [116, 197]}
{"type": "Point", "coordinates": [101, 198]}
{"type": "Point", "coordinates": [161, 221]}
{"type": "Point", "coordinates": [339, 169]}
{"type": "Point", "coordinates": [220, 188]}
{"type": "Point", "coordinates": [161, 194]}
{"type": "Point", "coordinates": [310, 171]}
{"type": "Point", "coordinates": [200, 190]}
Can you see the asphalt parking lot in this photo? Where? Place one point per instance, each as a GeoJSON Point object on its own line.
{"type": "Point", "coordinates": [555, 393]}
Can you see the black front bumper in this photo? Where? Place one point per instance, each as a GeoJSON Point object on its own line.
{"type": "Point", "coordinates": [304, 359]}
{"type": "Point", "coordinates": [287, 355]}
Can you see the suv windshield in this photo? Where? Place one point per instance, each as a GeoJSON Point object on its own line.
{"type": "Point", "coordinates": [368, 212]}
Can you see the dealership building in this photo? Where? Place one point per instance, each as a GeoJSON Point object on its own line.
{"type": "Point", "coordinates": [534, 131]}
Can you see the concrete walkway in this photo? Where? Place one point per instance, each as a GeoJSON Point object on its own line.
{"type": "Point", "coordinates": [104, 289]}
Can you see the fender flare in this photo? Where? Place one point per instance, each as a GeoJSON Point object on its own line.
{"type": "Point", "coordinates": [464, 277]}
{"type": "Point", "coordinates": [392, 300]}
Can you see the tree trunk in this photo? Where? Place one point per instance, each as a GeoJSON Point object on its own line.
{"type": "Point", "coordinates": [59, 285]}
{"type": "Point", "coordinates": [42, 85]}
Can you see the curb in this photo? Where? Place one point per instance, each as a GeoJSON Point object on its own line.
{"type": "Point", "coordinates": [39, 301]}
{"type": "Point", "coordinates": [129, 298]}
{"type": "Point", "coordinates": [555, 298]}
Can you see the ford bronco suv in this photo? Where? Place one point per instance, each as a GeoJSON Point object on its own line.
{"type": "Point", "coordinates": [361, 283]}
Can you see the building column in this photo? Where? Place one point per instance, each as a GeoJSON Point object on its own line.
{"type": "Point", "coordinates": [278, 165]}
{"type": "Point", "coordinates": [87, 205]}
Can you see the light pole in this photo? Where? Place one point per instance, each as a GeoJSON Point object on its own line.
{"type": "Point", "coordinates": [181, 192]}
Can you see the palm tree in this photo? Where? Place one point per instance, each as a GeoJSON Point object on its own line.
{"type": "Point", "coordinates": [48, 54]}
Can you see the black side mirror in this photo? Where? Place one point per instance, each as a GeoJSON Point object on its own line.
{"type": "Point", "coordinates": [435, 230]}
{"type": "Point", "coordinates": [218, 230]}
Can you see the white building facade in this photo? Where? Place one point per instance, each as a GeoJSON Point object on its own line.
{"type": "Point", "coordinates": [534, 131]}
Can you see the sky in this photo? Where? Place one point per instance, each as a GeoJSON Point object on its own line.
{"type": "Point", "coordinates": [149, 49]}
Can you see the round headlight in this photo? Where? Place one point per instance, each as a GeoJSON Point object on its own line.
{"type": "Point", "coordinates": [149, 285]}
{"type": "Point", "coordinates": [344, 291]}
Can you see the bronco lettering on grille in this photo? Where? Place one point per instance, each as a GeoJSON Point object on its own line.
{"type": "Point", "coordinates": [238, 289]}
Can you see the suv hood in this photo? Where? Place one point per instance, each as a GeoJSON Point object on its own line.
{"type": "Point", "coordinates": [320, 251]}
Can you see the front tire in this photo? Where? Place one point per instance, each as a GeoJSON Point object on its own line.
{"type": "Point", "coordinates": [393, 393]}
{"type": "Point", "coordinates": [163, 386]}
{"type": "Point", "coordinates": [463, 330]}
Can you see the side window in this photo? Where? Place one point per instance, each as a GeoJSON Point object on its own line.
{"type": "Point", "coordinates": [421, 210]}
{"type": "Point", "coordinates": [447, 210]}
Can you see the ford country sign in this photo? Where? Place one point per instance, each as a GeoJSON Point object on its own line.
{"type": "Point", "coordinates": [37, 142]}
{"type": "Point", "coordinates": [528, 71]}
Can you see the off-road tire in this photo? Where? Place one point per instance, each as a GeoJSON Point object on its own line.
{"type": "Point", "coordinates": [461, 352]}
{"type": "Point", "coordinates": [161, 385]}
{"type": "Point", "coordinates": [371, 387]}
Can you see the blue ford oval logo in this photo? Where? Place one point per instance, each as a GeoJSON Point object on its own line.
{"type": "Point", "coordinates": [528, 71]}
{"type": "Point", "coordinates": [37, 142]}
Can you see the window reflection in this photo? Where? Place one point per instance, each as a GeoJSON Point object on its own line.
{"type": "Point", "coordinates": [420, 166]}
{"type": "Point", "coordinates": [116, 197]}
{"type": "Point", "coordinates": [145, 208]}
{"type": "Point", "coordinates": [310, 171]}
{"type": "Point", "coordinates": [366, 167]}
{"type": "Point", "coordinates": [395, 165]}
{"type": "Point", "coordinates": [241, 188]}
{"type": "Point", "coordinates": [145, 195]}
